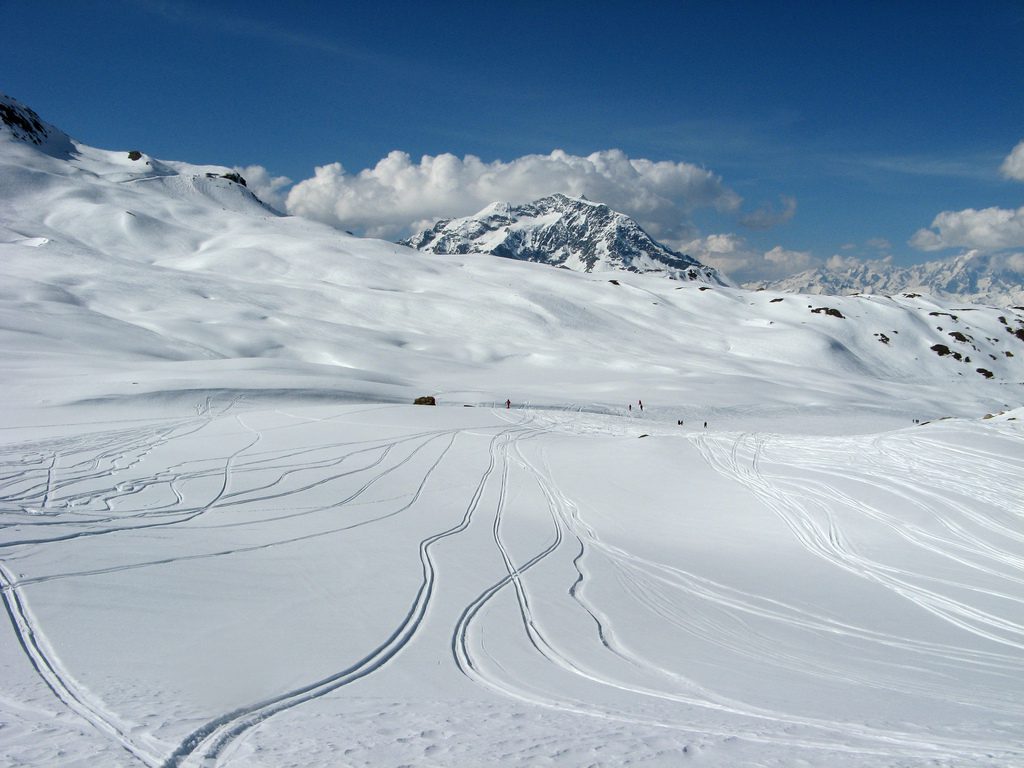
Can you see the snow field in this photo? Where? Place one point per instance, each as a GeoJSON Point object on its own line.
{"type": "Point", "coordinates": [310, 584]}
{"type": "Point", "coordinates": [226, 539]}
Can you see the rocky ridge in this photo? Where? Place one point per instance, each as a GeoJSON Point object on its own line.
{"type": "Point", "coordinates": [970, 278]}
{"type": "Point", "coordinates": [573, 233]}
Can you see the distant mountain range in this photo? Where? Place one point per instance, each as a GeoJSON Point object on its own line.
{"type": "Point", "coordinates": [562, 231]}
{"type": "Point", "coordinates": [585, 236]}
{"type": "Point", "coordinates": [971, 278]}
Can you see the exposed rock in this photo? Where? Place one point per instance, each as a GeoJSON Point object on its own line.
{"type": "Point", "coordinates": [831, 311]}
{"type": "Point", "coordinates": [562, 231]}
{"type": "Point", "coordinates": [230, 176]}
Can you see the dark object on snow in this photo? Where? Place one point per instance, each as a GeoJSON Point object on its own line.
{"type": "Point", "coordinates": [614, 282]}
{"type": "Point", "coordinates": [426, 400]}
{"type": "Point", "coordinates": [135, 155]}
{"type": "Point", "coordinates": [828, 311]}
{"type": "Point", "coordinates": [985, 372]}
{"type": "Point", "coordinates": [231, 176]}
{"type": "Point", "coordinates": [643, 435]}
{"type": "Point", "coordinates": [235, 177]}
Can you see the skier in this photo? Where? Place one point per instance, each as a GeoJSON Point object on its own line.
{"type": "Point", "coordinates": [508, 404]}
{"type": "Point", "coordinates": [705, 425]}
{"type": "Point", "coordinates": [641, 404]}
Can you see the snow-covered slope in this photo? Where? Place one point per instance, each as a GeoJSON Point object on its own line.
{"type": "Point", "coordinates": [562, 231]}
{"type": "Point", "coordinates": [227, 538]}
{"type": "Point", "coordinates": [124, 265]}
{"type": "Point", "coordinates": [971, 278]}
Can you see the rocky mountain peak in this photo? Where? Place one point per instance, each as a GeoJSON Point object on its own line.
{"type": "Point", "coordinates": [569, 232]}
{"type": "Point", "coordinates": [24, 124]}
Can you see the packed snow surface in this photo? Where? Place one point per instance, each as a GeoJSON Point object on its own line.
{"type": "Point", "coordinates": [227, 538]}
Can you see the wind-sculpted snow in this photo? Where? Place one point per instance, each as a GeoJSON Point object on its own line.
{"type": "Point", "coordinates": [392, 584]}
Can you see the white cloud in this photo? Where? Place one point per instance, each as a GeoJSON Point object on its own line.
{"type": "Point", "coordinates": [1009, 262]}
{"type": "Point", "coordinates": [267, 188]}
{"type": "Point", "coordinates": [766, 217]}
{"type": "Point", "coordinates": [398, 195]}
{"type": "Point", "coordinates": [1013, 165]}
{"type": "Point", "coordinates": [733, 256]}
{"type": "Point", "coordinates": [840, 263]}
{"type": "Point", "coordinates": [989, 229]}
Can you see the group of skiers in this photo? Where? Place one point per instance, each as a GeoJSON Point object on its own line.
{"type": "Point", "coordinates": [640, 405]}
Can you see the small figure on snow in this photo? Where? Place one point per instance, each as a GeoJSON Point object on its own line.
{"type": "Point", "coordinates": [641, 404]}
{"type": "Point", "coordinates": [508, 404]}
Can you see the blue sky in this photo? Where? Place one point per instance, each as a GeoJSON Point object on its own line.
{"type": "Point", "coordinates": [845, 128]}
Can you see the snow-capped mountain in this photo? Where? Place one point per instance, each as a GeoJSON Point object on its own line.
{"type": "Point", "coordinates": [970, 278]}
{"type": "Point", "coordinates": [563, 231]}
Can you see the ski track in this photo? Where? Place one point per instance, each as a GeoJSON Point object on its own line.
{"type": "Point", "coordinates": [821, 533]}
{"type": "Point", "coordinates": [45, 663]}
{"type": "Point", "coordinates": [208, 742]}
{"type": "Point", "coordinates": [47, 484]}
{"type": "Point", "coordinates": [107, 461]}
{"type": "Point", "coordinates": [646, 581]}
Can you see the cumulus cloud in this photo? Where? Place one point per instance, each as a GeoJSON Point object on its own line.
{"type": "Point", "coordinates": [1012, 263]}
{"type": "Point", "coordinates": [743, 264]}
{"type": "Point", "coordinates": [398, 196]}
{"type": "Point", "coordinates": [766, 217]}
{"type": "Point", "coordinates": [269, 189]}
{"type": "Point", "coordinates": [840, 263]}
{"type": "Point", "coordinates": [990, 229]}
{"type": "Point", "coordinates": [1013, 165]}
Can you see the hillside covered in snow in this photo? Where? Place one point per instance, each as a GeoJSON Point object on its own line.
{"type": "Point", "coordinates": [744, 528]}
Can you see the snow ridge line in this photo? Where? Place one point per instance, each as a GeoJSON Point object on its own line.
{"type": "Point", "coordinates": [207, 743]}
{"type": "Point", "coordinates": [61, 684]}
